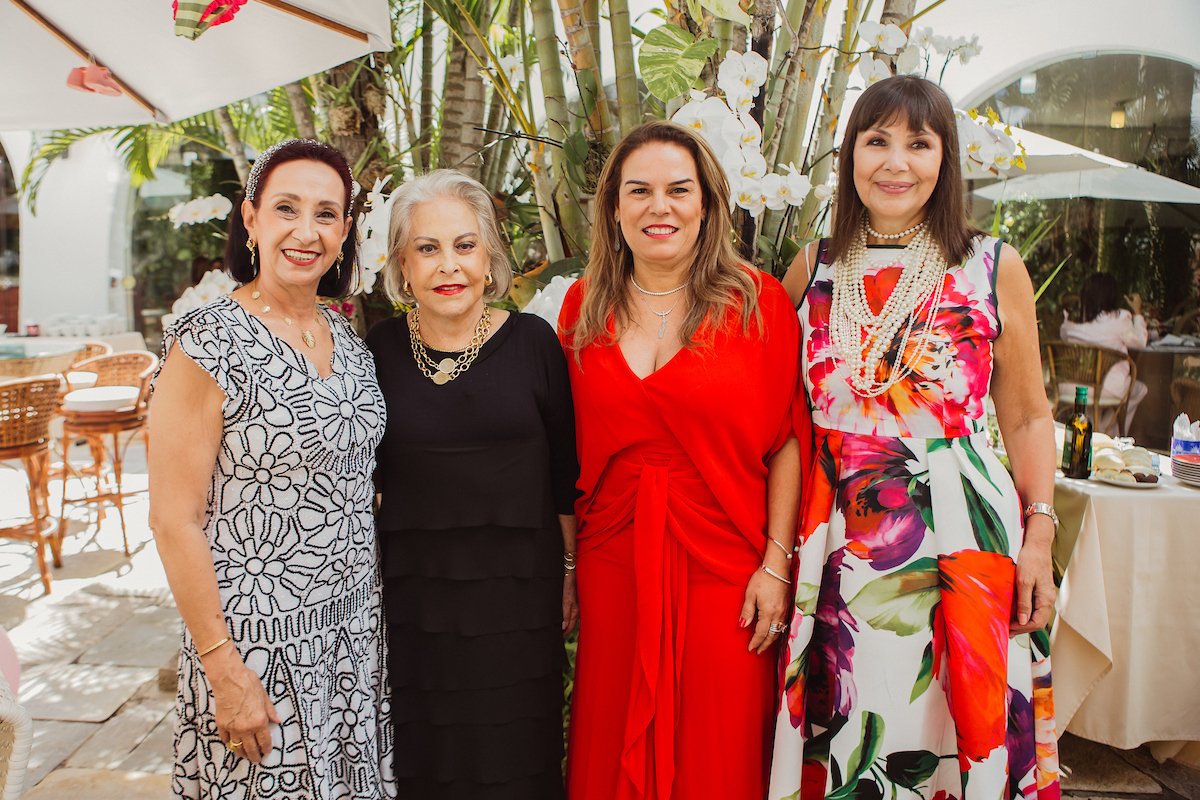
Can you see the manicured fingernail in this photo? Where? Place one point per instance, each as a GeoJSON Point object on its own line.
{"type": "Point", "coordinates": [743, 623]}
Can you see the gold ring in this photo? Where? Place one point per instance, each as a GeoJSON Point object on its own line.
{"type": "Point", "coordinates": [234, 745]}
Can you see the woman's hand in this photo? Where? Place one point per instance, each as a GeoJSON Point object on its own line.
{"type": "Point", "coordinates": [766, 599]}
{"type": "Point", "coordinates": [570, 603]}
{"type": "Point", "coordinates": [244, 713]}
{"type": "Point", "coordinates": [1034, 592]}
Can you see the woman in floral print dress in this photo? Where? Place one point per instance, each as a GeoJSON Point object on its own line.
{"type": "Point", "coordinates": [916, 662]}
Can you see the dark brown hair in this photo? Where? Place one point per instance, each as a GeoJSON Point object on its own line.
{"type": "Point", "coordinates": [335, 282]}
{"type": "Point", "coordinates": [921, 104]}
{"type": "Point", "coordinates": [718, 279]}
{"type": "Point", "coordinates": [1098, 294]}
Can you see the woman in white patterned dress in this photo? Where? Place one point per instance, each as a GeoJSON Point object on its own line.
{"type": "Point", "coordinates": [262, 450]}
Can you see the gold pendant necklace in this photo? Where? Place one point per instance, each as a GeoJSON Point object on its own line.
{"type": "Point", "coordinates": [446, 370]}
{"type": "Point", "coordinates": [306, 334]}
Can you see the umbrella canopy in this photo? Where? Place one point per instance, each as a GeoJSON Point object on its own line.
{"type": "Point", "coordinates": [164, 76]}
{"type": "Point", "coordinates": [1045, 155]}
{"type": "Point", "coordinates": [1107, 183]}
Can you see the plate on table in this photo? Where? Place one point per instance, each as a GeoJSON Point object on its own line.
{"type": "Point", "coordinates": [1125, 485]}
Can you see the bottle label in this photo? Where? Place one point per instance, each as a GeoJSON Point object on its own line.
{"type": "Point", "coordinates": [1065, 463]}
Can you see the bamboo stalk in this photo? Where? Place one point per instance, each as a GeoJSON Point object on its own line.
{"type": "Point", "coordinates": [425, 143]}
{"type": "Point", "coordinates": [233, 142]}
{"type": "Point", "coordinates": [629, 101]}
{"type": "Point", "coordinates": [800, 81]}
{"type": "Point", "coordinates": [301, 113]}
{"type": "Point", "coordinates": [554, 187]}
{"type": "Point", "coordinates": [583, 57]}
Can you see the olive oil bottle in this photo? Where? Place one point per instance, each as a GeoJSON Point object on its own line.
{"type": "Point", "coordinates": [1077, 443]}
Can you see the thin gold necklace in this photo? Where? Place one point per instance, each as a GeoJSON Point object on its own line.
{"type": "Point", "coordinates": [306, 334]}
{"type": "Point", "coordinates": [446, 370]}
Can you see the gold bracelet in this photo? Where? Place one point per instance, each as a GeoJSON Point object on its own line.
{"type": "Point", "coordinates": [208, 650]}
{"type": "Point", "coordinates": [568, 562]}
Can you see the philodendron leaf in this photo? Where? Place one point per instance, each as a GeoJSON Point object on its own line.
{"type": "Point", "coordinates": [727, 9]}
{"type": "Point", "coordinates": [671, 60]}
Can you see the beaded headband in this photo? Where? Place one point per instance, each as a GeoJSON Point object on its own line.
{"type": "Point", "coordinates": [264, 158]}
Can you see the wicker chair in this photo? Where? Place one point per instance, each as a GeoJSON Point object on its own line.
{"type": "Point", "coordinates": [91, 349]}
{"type": "Point", "coordinates": [26, 408]}
{"type": "Point", "coordinates": [1070, 364]}
{"type": "Point", "coordinates": [1185, 398]}
{"type": "Point", "coordinates": [16, 740]}
{"type": "Point", "coordinates": [98, 428]}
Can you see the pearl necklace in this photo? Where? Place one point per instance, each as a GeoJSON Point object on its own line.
{"type": "Point", "coordinates": [893, 236]}
{"type": "Point", "coordinates": [678, 288]}
{"type": "Point", "coordinates": [862, 338]}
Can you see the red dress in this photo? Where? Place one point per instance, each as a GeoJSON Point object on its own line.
{"type": "Point", "coordinates": [669, 704]}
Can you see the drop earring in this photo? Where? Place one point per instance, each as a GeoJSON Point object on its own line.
{"type": "Point", "coordinates": [338, 264]}
{"type": "Point", "coordinates": [250, 247]}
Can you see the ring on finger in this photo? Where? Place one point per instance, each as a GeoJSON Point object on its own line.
{"type": "Point", "coordinates": [234, 745]}
{"type": "Point", "coordinates": [777, 627]}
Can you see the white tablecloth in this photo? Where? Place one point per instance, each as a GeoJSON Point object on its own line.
{"type": "Point", "coordinates": [1127, 637]}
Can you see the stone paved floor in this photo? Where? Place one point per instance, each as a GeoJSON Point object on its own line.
{"type": "Point", "coordinates": [97, 658]}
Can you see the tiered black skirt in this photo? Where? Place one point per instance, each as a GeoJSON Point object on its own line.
{"type": "Point", "coordinates": [475, 640]}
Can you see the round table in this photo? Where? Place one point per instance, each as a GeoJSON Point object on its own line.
{"type": "Point", "coordinates": [25, 357]}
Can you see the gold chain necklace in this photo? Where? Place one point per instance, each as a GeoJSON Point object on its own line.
{"type": "Point", "coordinates": [305, 333]}
{"type": "Point", "coordinates": [446, 370]}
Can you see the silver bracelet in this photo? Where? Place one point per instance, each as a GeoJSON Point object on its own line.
{"type": "Point", "coordinates": [775, 574]}
{"type": "Point", "coordinates": [779, 544]}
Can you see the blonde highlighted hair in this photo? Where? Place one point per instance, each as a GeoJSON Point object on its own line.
{"type": "Point", "coordinates": [719, 280]}
{"type": "Point", "coordinates": [445, 184]}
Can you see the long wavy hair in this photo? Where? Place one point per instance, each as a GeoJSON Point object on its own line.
{"type": "Point", "coordinates": [919, 103]}
{"type": "Point", "coordinates": [720, 283]}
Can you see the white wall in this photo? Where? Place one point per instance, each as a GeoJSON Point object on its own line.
{"type": "Point", "coordinates": [80, 233]}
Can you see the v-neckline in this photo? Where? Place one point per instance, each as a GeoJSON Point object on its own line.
{"type": "Point", "coordinates": [638, 378]}
{"type": "Point", "coordinates": [310, 367]}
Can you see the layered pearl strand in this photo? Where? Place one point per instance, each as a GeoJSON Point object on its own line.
{"type": "Point", "coordinates": [862, 338]}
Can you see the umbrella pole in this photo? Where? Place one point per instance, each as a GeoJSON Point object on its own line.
{"type": "Point", "coordinates": [87, 57]}
{"type": "Point", "coordinates": [316, 19]}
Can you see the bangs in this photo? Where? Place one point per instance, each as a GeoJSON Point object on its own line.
{"type": "Point", "coordinates": [902, 103]}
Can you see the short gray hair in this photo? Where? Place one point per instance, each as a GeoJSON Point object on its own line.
{"type": "Point", "coordinates": [442, 184]}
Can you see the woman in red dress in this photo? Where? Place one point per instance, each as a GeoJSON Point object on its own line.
{"type": "Point", "coordinates": [683, 365]}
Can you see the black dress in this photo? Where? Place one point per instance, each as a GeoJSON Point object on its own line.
{"type": "Point", "coordinates": [474, 475]}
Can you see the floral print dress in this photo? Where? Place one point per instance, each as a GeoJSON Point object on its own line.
{"type": "Point", "coordinates": [900, 679]}
{"type": "Point", "coordinates": [292, 536]}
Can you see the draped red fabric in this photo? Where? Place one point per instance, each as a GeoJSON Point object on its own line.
{"type": "Point", "coordinates": [672, 524]}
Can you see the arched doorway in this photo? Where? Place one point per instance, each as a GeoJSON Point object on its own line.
{"type": "Point", "coordinates": [10, 257]}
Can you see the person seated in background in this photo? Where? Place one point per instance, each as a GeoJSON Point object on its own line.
{"type": "Point", "coordinates": [1106, 324]}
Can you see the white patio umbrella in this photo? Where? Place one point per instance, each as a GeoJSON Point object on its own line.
{"type": "Point", "coordinates": [164, 76]}
{"type": "Point", "coordinates": [1107, 183]}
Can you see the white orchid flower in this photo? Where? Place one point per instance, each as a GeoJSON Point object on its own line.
{"type": "Point", "coordinates": [921, 37]}
{"type": "Point", "coordinates": [706, 116]}
{"type": "Point", "coordinates": [797, 184]}
{"type": "Point", "coordinates": [775, 192]}
{"type": "Point", "coordinates": [873, 71]}
{"type": "Point", "coordinates": [373, 255]}
{"type": "Point", "coordinates": [823, 192]}
{"type": "Point", "coordinates": [375, 197]}
{"type": "Point", "coordinates": [513, 69]}
{"type": "Point", "coordinates": [548, 301]}
{"type": "Point", "coordinates": [969, 49]}
{"type": "Point", "coordinates": [740, 73]}
{"type": "Point", "coordinates": [741, 101]}
{"type": "Point", "coordinates": [741, 132]}
{"type": "Point", "coordinates": [941, 44]}
{"type": "Point", "coordinates": [749, 195]}
{"type": "Point", "coordinates": [366, 280]}
{"type": "Point", "coordinates": [909, 60]}
{"type": "Point", "coordinates": [884, 38]}
{"type": "Point", "coordinates": [753, 166]}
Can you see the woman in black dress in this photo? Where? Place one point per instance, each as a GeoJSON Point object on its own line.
{"type": "Point", "coordinates": [477, 471]}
